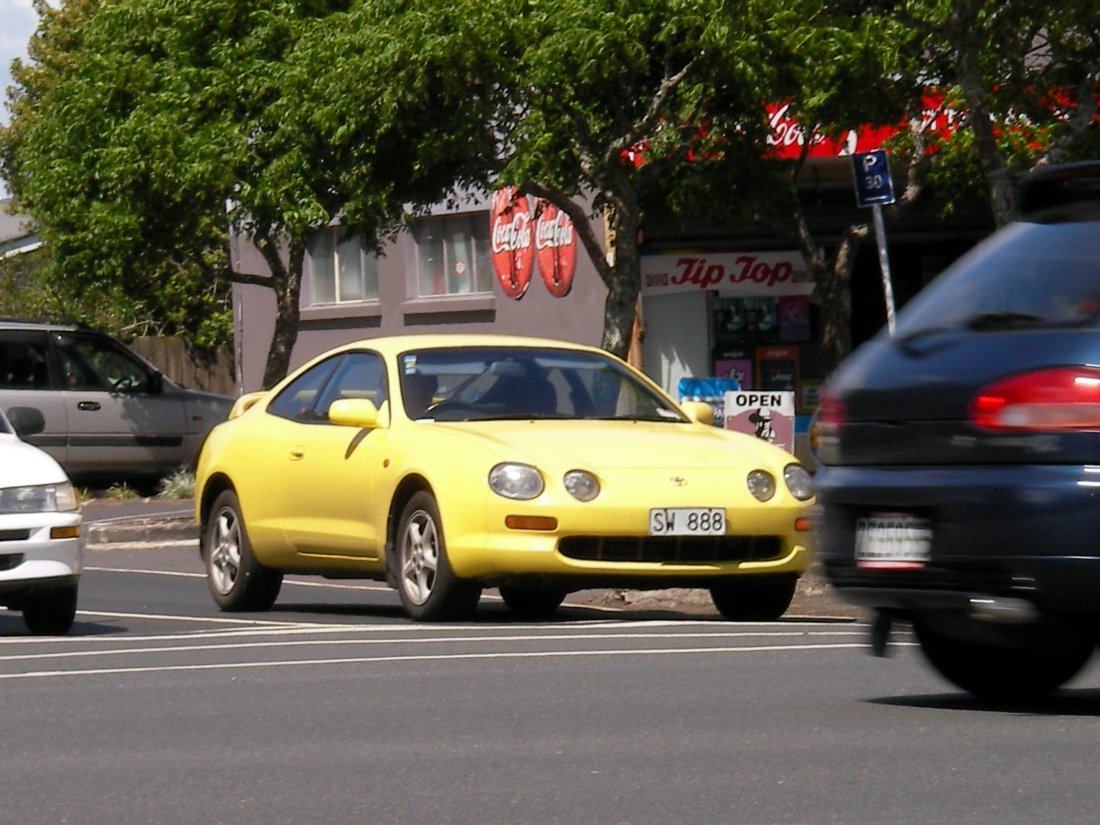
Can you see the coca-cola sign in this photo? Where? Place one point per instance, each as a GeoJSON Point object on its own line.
{"type": "Point", "coordinates": [727, 273]}
{"type": "Point", "coordinates": [556, 248]}
{"type": "Point", "coordinates": [510, 234]}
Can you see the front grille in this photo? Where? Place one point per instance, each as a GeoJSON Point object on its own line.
{"type": "Point", "coordinates": [683, 549]}
{"type": "Point", "coordinates": [14, 535]}
{"type": "Point", "coordinates": [10, 561]}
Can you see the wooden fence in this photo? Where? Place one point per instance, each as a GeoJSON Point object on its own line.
{"type": "Point", "coordinates": [213, 373]}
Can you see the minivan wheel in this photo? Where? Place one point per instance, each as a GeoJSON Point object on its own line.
{"type": "Point", "coordinates": [1025, 670]}
{"type": "Point", "coordinates": [237, 581]}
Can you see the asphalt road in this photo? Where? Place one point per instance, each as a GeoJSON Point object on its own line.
{"type": "Point", "coordinates": [333, 708]}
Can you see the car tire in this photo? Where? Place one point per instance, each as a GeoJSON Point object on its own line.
{"type": "Point", "coordinates": [51, 612]}
{"type": "Point", "coordinates": [532, 602]}
{"type": "Point", "coordinates": [1005, 671]}
{"type": "Point", "coordinates": [237, 581]}
{"type": "Point", "coordinates": [429, 589]}
{"type": "Point", "coordinates": [754, 598]}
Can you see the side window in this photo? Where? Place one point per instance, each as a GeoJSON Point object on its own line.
{"type": "Point", "coordinates": [23, 365]}
{"type": "Point", "coordinates": [93, 363]}
{"type": "Point", "coordinates": [359, 375]}
{"type": "Point", "coordinates": [297, 399]}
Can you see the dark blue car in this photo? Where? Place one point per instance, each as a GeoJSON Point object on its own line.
{"type": "Point", "coordinates": [959, 481]}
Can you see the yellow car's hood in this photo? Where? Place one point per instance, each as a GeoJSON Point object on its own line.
{"type": "Point", "coordinates": [618, 444]}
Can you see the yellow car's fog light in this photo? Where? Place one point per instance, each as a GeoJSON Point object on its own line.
{"type": "Point", "coordinates": [803, 524]}
{"type": "Point", "coordinates": [517, 481]}
{"type": "Point", "coordinates": [531, 522]}
{"type": "Point", "coordinates": [761, 485]}
{"type": "Point", "coordinates": [71, 532]}
{"type": "Point", "coordinates": [581, 484]}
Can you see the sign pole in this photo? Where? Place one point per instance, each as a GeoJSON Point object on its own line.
{"type": "Point", "coordinates": [874, 187]}
{"type": "Point", "coordinates": [884, 264]}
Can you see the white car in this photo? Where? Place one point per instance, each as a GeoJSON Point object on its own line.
{"type": "Point", "coordinates": [41, 549]}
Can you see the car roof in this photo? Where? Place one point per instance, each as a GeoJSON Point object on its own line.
{"type": "Point", "coordinates": [395, 344]}
{"type": "Point", "coordinates": [39, 325]}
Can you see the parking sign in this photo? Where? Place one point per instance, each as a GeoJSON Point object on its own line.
{"type": "Point", "coordinates": [872, 178]}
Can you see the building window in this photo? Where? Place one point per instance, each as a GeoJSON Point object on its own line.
{"type": "Point", "coordinates": [341, 269]}
{"type": "Point", "coordinates": [453, 255]}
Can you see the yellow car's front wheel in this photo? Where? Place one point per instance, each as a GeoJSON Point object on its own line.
{"type": "Point", "coordinates": [430, 591]}
{"type": "Point", "coordinates": [237, 581]}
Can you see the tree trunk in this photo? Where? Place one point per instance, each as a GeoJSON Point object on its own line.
{"type": "Point", "coordinates": [286, 280]}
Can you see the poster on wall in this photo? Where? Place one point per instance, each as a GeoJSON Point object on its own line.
{"type": "Point", "coordinates": [511, 243]}
{"type": "Point", "coordinates": [555, 248]}
{"type": "Point", "coordinates": [777, 368]}
{"type": "Point", "coordinates": [766, 415]}
{"type": "Point", "coordinates": [794, 317]}
{"type": "Point", "coordinates": [739, 369]}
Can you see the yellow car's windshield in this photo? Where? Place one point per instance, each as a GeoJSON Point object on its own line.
{"type": "Point", "coordinates": [482, 383]}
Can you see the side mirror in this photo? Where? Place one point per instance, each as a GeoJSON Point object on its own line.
{"type": "Point", "coordinates": [354, 412]}
{"type": "Point", "coordinates": [699, 411]}
{"type": "Point", "coordinates": [26, 420]}
{"type": "Point", "coordinates": [156, 383]}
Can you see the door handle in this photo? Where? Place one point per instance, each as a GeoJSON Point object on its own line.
{"type": "Point", "coordinates": [90, 406]}
{"type": "Point", "coordinates": [296, 453]}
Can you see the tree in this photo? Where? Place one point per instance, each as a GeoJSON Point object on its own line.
{"type": "Point", "coordinates": [143, 131]}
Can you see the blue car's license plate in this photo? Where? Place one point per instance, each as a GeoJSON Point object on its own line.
{"type": "Point", "coordinates": [895, 541]}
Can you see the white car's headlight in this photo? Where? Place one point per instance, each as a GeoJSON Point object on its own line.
{"type": "Point", "coordinates": [42, 498]}
{"type": "Point", "coordinates": [581, 484]}
{"type": "Point", "coordinates": [761, 484]}
{"type": "Point", "coordinates": [517, 481]}
{"type": "Point", "coordinates": [799, 481]}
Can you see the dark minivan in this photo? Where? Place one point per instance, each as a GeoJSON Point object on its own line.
{"type": "Point", "coordinates": [959, 480]}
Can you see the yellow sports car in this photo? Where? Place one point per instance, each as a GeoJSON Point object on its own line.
{"type": "Point", "coordinates": [446, 464]}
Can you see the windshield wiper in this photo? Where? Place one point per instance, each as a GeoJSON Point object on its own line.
{"type": "Point", "coordinates": [979, 322]}
{"type": "Point", "coordinates": [1003, 319]}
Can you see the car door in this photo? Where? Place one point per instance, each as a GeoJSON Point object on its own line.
{"type": "Point", "coordinates": [119, 419]}
{"type": "Point", "coordinates": [25, 381]}
{"type": "Point", "coordinates": [331, 471]}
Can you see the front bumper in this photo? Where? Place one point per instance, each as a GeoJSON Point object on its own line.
{"type": "Point", "coordinates": [31, 560]}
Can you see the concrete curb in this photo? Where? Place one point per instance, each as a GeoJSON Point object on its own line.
{"type": "Point", "coordinates": [134, 533]}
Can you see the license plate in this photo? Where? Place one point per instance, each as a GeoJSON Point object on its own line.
{"type": "Point", "coordinates": [687, 521]}
{"type": "Point", "coordinates": [893, 541]}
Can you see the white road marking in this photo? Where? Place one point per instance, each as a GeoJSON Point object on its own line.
{"type": "Point", "coordinates": [283, 643]}
{"type": "Point", "coordinates": [428, 657]}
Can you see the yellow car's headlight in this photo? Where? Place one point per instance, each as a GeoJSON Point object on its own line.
{"type": "Point", "coordinates": [516, 481]}
{"type": "Point", "coordinates": [581, 484]}
{"type": "Point", "coordinates": [799, 481]}
{"type": "Point", "coordinates": [41, 498]}
{"type": "Point", "coordinates": [761, 484]}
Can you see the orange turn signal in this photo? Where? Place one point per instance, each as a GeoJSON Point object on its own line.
{"type": "Point", "coordinates": [72, 532]}
{"type": "Point", "coordinates": [531, 522]}
{"type": "Point", "coordinates": [803, 524]}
